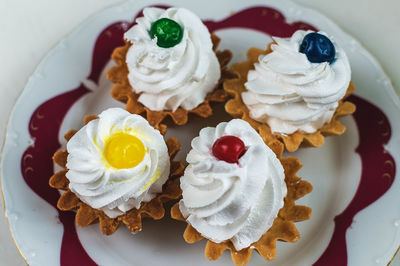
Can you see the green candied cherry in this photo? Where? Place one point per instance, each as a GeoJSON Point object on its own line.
{"type": "Point", "coordinates": [169, 33]}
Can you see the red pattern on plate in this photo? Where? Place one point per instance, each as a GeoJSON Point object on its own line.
{"type": "Point", "coordinates": [106, 42]}
{"type": "Point", "coordinates": [377, 175]}
{"type": "Point", "coordinates": [260, 18]}
{"type": "Point", "coordinates": [45, 123]}
{"type": "Point", "coordinates": [37, 167]}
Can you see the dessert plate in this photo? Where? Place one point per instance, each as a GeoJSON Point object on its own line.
{"type": "Point", "coordinates": [355, 221]}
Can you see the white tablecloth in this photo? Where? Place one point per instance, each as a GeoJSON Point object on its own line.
{"type": "Point", "coordinates": [29, 29]}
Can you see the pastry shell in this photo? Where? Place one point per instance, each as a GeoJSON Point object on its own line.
{"type": "Point", "coordinates": [283, 227]}
{"type": "Point", "coordinates": [123, 91]}
{"type": "Point", "coordinates": [86, 215]}
{"type": "Point", "coordinates": [237, 108]}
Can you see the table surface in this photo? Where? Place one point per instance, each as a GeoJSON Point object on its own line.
{"type": "Point", "coordinates": [31, 28]}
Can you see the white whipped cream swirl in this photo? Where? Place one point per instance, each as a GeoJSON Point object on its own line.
{"type": "Point", "coordinates": [290, 93]}
{"type": "Point", "coordinates": [100, 185]}
{"type": "Point", "coordinates": [229, 201]}
{"type": "Point", "coordinates": [179, 76]}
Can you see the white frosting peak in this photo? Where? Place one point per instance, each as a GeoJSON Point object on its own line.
{"type": "Point", "coordinates": [100, 185]}
{"type": "Point", "coordinates": [168, 78]}
{"type": "Point", "coordinates": [229, 201]}
{"type": "Point", "coordinates": [289, 93]}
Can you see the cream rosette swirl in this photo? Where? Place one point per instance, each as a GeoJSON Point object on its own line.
{"type": "Point", "coordinates": [116, 162]}
{"type": "Point", "coordinates": [232, 201]}
{"type": "Point", "coordinates": [179, 76]}
{"type": "Point", "coordinates": [289, 93]}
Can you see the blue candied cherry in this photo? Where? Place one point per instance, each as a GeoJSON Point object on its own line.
{"type": "Point", "coordinates": [169, 33]}
{"type": "Point", "coordinates": [228, 149]}
{"type": "Point", "coordinates": [318, 48]}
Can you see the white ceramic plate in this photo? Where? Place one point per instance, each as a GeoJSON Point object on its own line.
{"type": "Point", "coordinates": [353, 175]}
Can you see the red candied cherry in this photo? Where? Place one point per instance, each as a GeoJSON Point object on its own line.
{"type": "Point", "coordinates": [228, 149]}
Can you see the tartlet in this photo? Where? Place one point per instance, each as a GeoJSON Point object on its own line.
{"type": "Point", "coordinates": [101, 180]}
{"type": "Point", "coordinates": [158, 80]}
{"type": "Point", "coordinates": [239, 194]}
{"type": "Point", "coordinates": [290, 97]}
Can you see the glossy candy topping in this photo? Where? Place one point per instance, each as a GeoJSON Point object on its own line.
{"type": "Point", "coordinates": [228, 149]}
{"type": "Point", "coordinates": [318, 48]}
{"type": "Point", "coordinates": [123, 151]}
{"type": "Point", "coordinates": [168, 32]}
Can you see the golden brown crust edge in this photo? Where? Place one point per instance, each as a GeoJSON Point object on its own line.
{"type": "Point", "coordinates": [235, 107]}
{"type": "Point", "coordinates": [283, 227]}
{"type": "Point", "coordinates": [122, 90]}
{"type": "Point", "coordinates": [86, 215]}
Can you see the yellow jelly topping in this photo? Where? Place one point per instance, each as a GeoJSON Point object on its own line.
{"type": "Point", "coordinates": [124, 151]}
